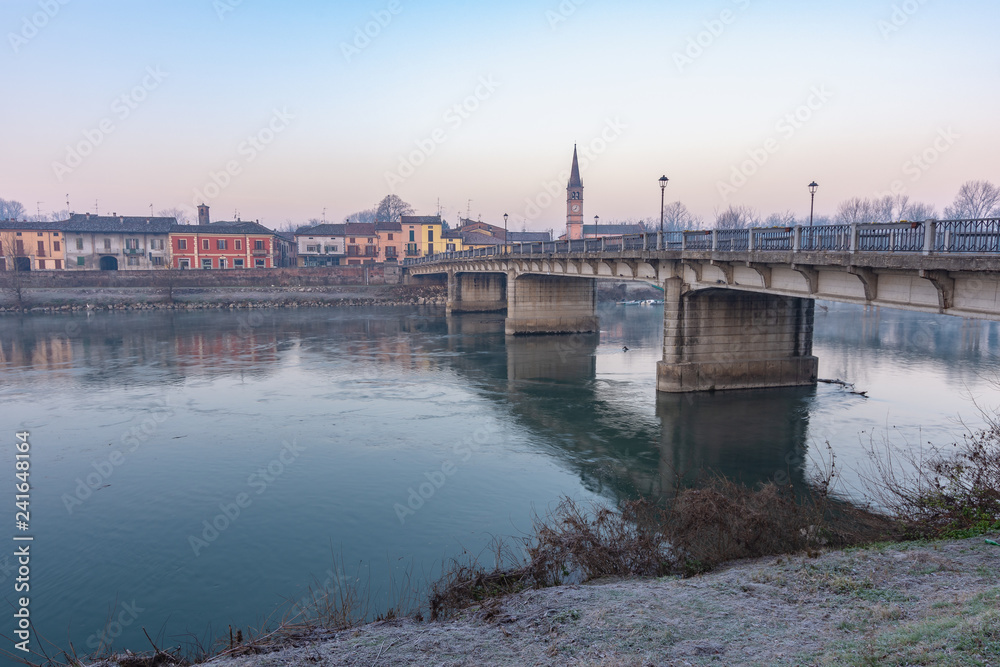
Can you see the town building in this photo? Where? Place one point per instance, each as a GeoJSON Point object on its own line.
{"type": "Point", "coordinates": [322, 245]}
{"type": "Point", "coordinates": [222, 245]}
{"type": "Point", "coordinates": [31, 246]}
{"type": "Point", "coordinates": [390, 241]}
{"type": "Point", "coordinates": [116, 243]}
{"type": "Point", "coordinates": [362, 243]}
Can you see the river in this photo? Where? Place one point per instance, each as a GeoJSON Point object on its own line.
{"type": "Point", "coordinates": [192, 470]}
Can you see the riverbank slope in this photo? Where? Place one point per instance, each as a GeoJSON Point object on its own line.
{"type": "Point", "coordinates": [911, 603]}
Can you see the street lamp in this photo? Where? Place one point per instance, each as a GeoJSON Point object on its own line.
{"type": "Point", "coordinates": [663, 190]}
{"type": "Point", "coordinates": [596, 219]}
{"type": "Point", "coordinates": [812, 200]}
{"type": "Point", "coordinates": [505, 233]}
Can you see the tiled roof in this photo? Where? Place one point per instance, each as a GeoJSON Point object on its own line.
{"type": "Point", "coordinates": [26, 225]}
{"type": "Point", "coordinates": [388, 227]}
{"type": "Point", "coordinates": [360, 228]}
{"type": "Point", "coordinates": [476, 238]}
{"type": "Point", "coordinates": [132, 224]}
{"type": "Point", "coordinates": [420, 219]}
{"type": "Point", "coordinates": [528, 237]}
{"type": "Point", "coordinates": [238, 227]}
{"type": "Point", "coordinates": [321, 230]}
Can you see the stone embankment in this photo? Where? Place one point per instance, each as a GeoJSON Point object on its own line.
{"type": "Point", "coordinates": [60, 300]}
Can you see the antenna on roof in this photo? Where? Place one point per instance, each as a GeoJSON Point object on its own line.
{"type": "Point", "coordinates": [97, 211]}
{"type": "Point", "coordinates": [324, 215]}
{"type": "Point", "coordinates": [151, 210]}
{"type": "Point", "coordinates": [38, 210]}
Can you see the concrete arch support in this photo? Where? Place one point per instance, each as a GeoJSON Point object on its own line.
{"type": "Point", "coordinates": [550, 305]}
{"type": "Point", "coordinates": [476, 292]}
{"type": "Point", "coordinates": [719, 339]}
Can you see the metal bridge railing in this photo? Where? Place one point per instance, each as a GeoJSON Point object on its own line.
{"type": "Point", "coordinates": [980, 237]}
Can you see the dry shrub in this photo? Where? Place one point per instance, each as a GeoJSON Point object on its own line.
{"type": "Point", "coordinates": [598, 543]}
{"type": "Point", "coordinates": [941, 492]}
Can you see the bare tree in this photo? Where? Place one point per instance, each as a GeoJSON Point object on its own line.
{"type": "Point", "coordinates": [14, 267]}
{"type": "Point", "coordinates": [181, 215]}
{"type": "Point", "coordinates": [11, 210]}
{"type": "Point", "coordinates": [737, 217]}
{"type": "Point", "coordinates": [975, 199]}
{"type": "Point", "coordinates": [677, 218]}
{"type": "Point", "coordinates": [391, 208]}
{"type": "Point", "coordinates": [367, 215]}
{"type": "Point", "coordinates": [786, 219]}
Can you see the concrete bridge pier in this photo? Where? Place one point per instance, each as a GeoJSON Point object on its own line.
{"type": "Point", "coordinates": [716, 339]}
{"type": "Point", "coordinates": [476, 292]}
{"type": "Point", "coordinates": [538, 304]}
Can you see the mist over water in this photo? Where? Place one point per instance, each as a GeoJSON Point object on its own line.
{"type": "Point", "coordinates": [193, 470]}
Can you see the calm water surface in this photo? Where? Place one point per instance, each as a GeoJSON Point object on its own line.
{"type": "Point", "coordinates": [192, 470]}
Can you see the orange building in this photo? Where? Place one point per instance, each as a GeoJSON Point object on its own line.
{"type": "Point", "coordinates": [31, 246]}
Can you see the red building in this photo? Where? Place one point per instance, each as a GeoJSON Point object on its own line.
{"type": "Point", "coordinates": [223, 245]}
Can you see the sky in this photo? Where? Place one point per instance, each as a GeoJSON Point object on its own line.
{"type": "Point", "coordinates": [286, 111]}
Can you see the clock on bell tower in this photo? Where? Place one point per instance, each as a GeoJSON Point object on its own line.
{"type": "Point", "coordinates": [574, 202]}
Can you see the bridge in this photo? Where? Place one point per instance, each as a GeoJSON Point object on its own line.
{"type": "Point", "coordinates": [738, 303]}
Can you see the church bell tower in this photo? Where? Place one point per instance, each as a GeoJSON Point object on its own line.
{"type": "Point", "coordinates": [574, 202]}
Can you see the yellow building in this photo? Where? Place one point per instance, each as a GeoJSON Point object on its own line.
{"type": "Point", "coordinates": [31, 246]}
{"type": "Point", "coordinates": [422, 236]}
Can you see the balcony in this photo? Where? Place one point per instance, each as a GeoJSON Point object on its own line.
{"type": "Point", "coordinates": [133, 251]}
{"type": "Point", "coordinates": [258, 252]}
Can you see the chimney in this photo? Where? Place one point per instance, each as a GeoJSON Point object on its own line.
{"type": "Point", "coordinates": [202, 214]}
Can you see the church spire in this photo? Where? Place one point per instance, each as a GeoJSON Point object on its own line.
{"type": "Point", "coordinates": [574, 175]}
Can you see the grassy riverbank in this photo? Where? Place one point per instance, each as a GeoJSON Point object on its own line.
{"type": "Point", "coordinates": [916, 603]}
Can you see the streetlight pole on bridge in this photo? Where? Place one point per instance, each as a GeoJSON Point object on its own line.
{"type": "Point", "coordinates": [663, 191]}
{"type": "Point", "coordinates": [505, 233]}
{"type": "Point", "coordinates": [812, 200]}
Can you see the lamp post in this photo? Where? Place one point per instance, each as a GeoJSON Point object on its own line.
{"type": "Point", "coordinates": [812, 200]}
{"type": "Point", "coordinates": [663, 190]}
{"type": "Point", "coordinates": [505, 233]}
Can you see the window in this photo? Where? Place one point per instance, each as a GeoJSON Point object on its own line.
{"type": "Point", "coordinates": [430, 235]}
{"type": "Point", "coordinates": [79, 243]}
{"type": "Point", "coordinates": [3, 263]}
{"type": "Point", "coordinates": [55, 246]}
{"type": "Point", "coordinates": [352, 240]}
{"type": "Point", "coordinates": [19, 246]}
{"type": "Point", "coordinates": [131, 244]}
{"type": "Point", "coordinates": [55, 233]}
{"type": "Point", "coordinates": [237, 263]}
{"type": "Point", "coordinates": [156, 244]}
{"type": "Point", "coordinates": [133, 260]}
{"type": "Point", "coordinates": [158, 260]}
{"type": "Point", "coordinates": [58, 263]}
{"type": "Point", "coordinates": [239, 244]}
{"type": "Point", "coordinates": [220, 244]}
{"type": "Point", "coordinates": [107, 244]}
{"type": "Point", "coordinates": [41, 248]}
{"type": "Point", "coordinates": [259, 263]}
{"type": "Point", "coordinates": [331, 248]}
{"type": "Point", "coordinates": [79, 261]}
{"type": "Point", "coordinates": [182, 244]}
{"type": "Point", "coordinates": [312, 248]}
{"type": "Point", "coordinates": [258, 245]}
{"type": "Point", "coordinates": [39, 233]}
{"type": "Point", "coordinates": [184, 263]}
{"type": "Point", "coordinates": [206, 263]}
{"type": "Point", "coordinates": [222, 262]}
{"type": "Point", "coordinates": [204, 244]}
{"type": "Point", "coordinates": [390, 237]}
{"type": "Point", "coordinates": [41, 264]}
{"type": "Point", "coordinates": [411, 236]}
{"type": "Point", "coordinates": [450, 247]}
